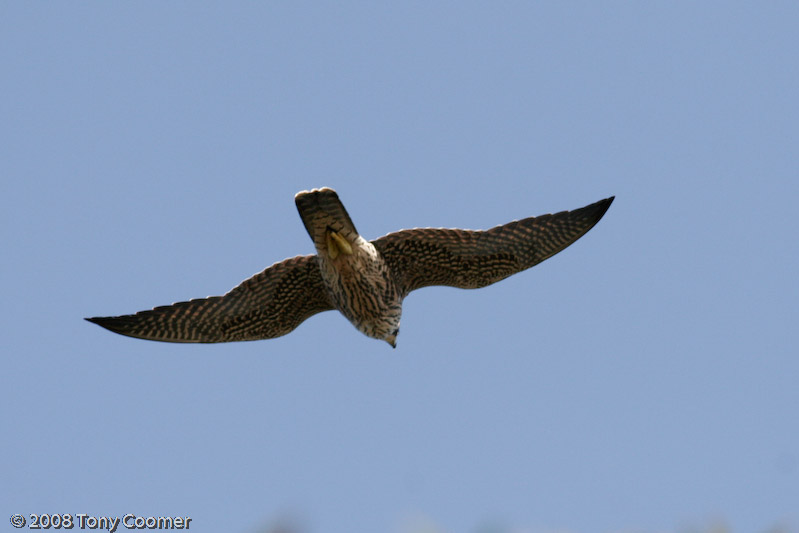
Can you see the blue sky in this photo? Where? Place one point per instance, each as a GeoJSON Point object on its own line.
{"type": "Point", "coordinates": [645, 379]}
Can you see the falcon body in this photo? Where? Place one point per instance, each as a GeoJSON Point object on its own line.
{"type": "Point", "coordinates": [366, 281]}
{"type": "Point", "coordinates": [360, 283]}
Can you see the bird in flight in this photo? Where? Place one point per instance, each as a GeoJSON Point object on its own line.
{"type": "Point", "coordinates": [365, 280]}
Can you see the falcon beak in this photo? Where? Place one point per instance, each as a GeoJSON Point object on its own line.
{"type": "Point", "coordinates": [392, 341]}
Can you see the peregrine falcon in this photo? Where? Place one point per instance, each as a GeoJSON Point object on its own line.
{"type": "Point", "coordinates": [365, 280]}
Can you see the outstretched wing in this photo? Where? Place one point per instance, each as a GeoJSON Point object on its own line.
{"type": "Point", "coordinates": [268, 305]}
{"type": "Point", "coordinates": [470, 259]}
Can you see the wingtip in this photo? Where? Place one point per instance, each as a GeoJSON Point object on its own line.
{"type": "Point", "coordinates": [107, 322]}
{"type": "Point", "coordinates": [607, 201]}
{"type": "Point", "coordinates": [594, 212]}
{"type": "Point", "coordinates": [605, 204]}
{"type": "Point", "coordinates": [100, 321]}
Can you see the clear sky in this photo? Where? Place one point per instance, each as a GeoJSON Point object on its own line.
{"type": "Point", "coordinates": [645, 379]}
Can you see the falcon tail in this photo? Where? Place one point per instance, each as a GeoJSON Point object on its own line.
{"type": "Point", "coordinates": [322, 213]}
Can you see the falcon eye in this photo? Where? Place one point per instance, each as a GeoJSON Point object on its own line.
{"type": "Point", "coordinates": [395, 332]}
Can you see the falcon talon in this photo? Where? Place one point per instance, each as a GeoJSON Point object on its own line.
{"type": "Point", "coordinates": [332, 247]}
{"type": "Point", "coordinates": [343, 244]}
{"type": "Point", "coordinates": [364, 280]}
{"type": "Point", "coordinates": [337, 244]}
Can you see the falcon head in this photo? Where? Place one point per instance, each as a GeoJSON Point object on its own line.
{"type": "Point", "coordinates": [392, 339]}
